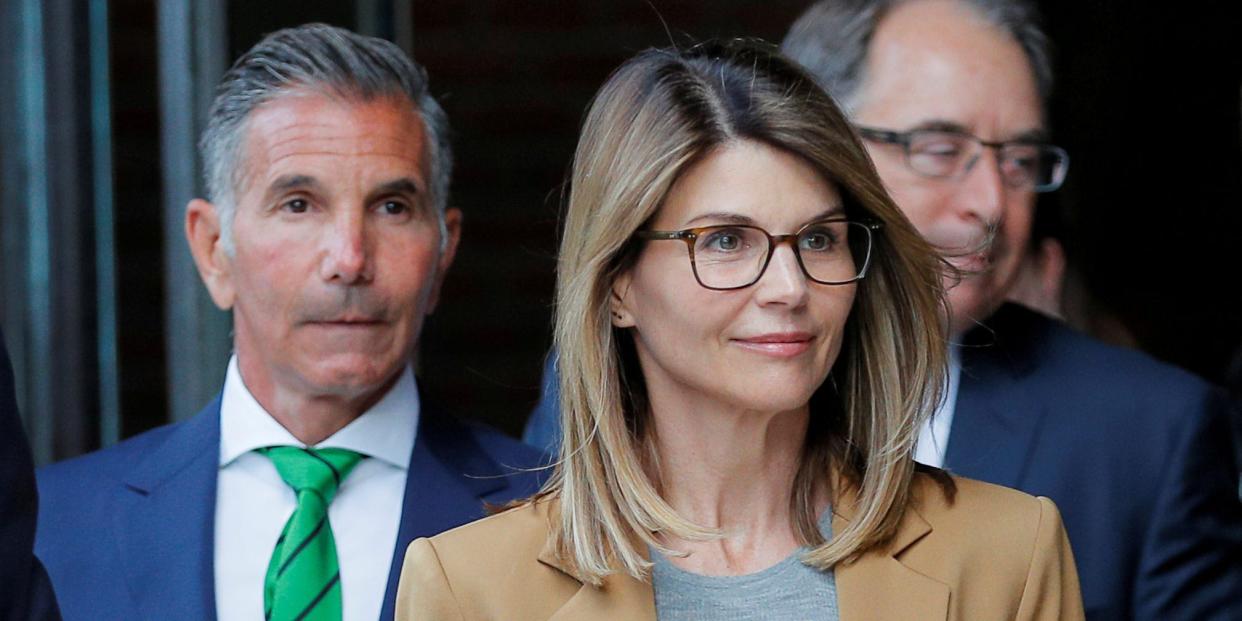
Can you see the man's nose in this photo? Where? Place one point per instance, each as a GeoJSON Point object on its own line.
{"type": "Point", "coordinates": [783, 282]}
{"type": "Point", "coordinates": [347, 256]}
{"type": "Point", "coordinates": [981, 193]}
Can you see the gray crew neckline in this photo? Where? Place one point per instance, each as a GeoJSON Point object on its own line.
{"type": "Point", "coordinates": [670, 570]}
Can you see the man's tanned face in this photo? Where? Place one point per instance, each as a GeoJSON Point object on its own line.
{"type": "Point", "coordinates": [337, 241]}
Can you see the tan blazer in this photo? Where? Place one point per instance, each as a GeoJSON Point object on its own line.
{"type": "Point", "coordinates": [994, 553]}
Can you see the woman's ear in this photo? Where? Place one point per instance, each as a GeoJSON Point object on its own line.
{"type": "Point", "coordinates": [622, 316]}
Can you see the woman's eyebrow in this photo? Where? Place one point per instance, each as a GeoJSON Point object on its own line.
{"type": "Point", "coordinates": [723, 217]}
{"type": "Point", "coordinates": [835, 210]}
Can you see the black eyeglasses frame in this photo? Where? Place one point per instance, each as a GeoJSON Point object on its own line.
{"type": "Point", "coordinates": [905, 138]}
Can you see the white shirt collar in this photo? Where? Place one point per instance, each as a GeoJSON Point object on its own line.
{"type": "Point", "coordinates": [934, 435]}
{"type": "Point", "coordinates": [385, 432]}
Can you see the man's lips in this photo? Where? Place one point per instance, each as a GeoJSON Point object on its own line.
{"type": "Point", "coordinates": [972, 264]}
{"type": "Point", "coordinates": [778, 344]}
{"type": "Point", "coordinates": [972, 255]}
{"type": "Point", "coordinates": [347, 322]}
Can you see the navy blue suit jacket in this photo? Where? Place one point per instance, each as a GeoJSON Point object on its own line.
{"type": "Point", "coordinates": [127, 532]}
{"type": "Point", "coordinates": [1135, 453]}
{"type": "Point", "coordinates": [24, 589]}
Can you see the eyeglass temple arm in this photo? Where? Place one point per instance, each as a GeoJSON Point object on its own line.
{"type": "Point", "coordinates": [662, 234]}
{"type": "Point", "coordinates": [883, 135]}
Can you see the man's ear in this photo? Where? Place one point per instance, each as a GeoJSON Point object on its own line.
{"type": "Point", "coordinates": [452, 226]}
{"type": "Point", "coordinates": [618, 302]}
{"type": "Point", "coordinates": [202, 231]}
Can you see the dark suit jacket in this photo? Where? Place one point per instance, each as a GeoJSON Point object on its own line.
{"type": "Point", "coordinates": [25, 592]}
{"type": "Point", "coordinates": [1135, 453]}
{"type": "Point", "coordinates": [127, 532]}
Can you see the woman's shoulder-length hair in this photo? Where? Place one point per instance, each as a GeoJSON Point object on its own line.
{"type": "Point", "coordinates": [655, 116]}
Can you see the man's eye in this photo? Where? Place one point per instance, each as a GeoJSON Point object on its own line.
{"type": "Point", "coordinates": [395, 208]}
{"type": "Point", "coordinates": [939, 149]}
{"type": "Point", "coordinates": [1026, 165]}
{"type": "Point", "coordinates": [1020, 158]}
{"type": "Point", "coordinates": [297, 205]}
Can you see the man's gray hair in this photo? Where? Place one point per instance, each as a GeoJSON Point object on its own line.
{"type": "Point", "coordinates": [322, 58]}
{"type": "Point", "coordinates": [831, 39]}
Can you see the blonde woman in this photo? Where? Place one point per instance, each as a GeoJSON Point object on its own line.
{"type": "Point", "coordinates": [750, 335]}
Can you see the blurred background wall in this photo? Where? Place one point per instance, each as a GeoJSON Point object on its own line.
{"type": "Point", "coordinates": [101, 103]}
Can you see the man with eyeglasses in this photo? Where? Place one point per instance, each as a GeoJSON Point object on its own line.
{"type": "Point", "coordinates": [949, 96]}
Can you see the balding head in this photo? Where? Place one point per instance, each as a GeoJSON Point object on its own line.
{"type": "Point", "coordinates": [966, 71]}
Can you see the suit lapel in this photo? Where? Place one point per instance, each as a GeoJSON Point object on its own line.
{"type": "Point", "coordinates": [866, 588]}
{"type": "Point", "coordinates": [446, 484]}
{"type": "Point", "coordinates": [995, 421]}
{"type": "Point", "coordinates": [165, 526]}
{"type": "Point", "coordinates": [879, 586]}
{"type": "Point", "coordinates": [994, 427]}
{"type": "Point", "coordinates": [620, 596]}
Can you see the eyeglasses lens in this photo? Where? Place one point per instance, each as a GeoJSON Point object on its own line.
{"type": "Point", "coordinates": [950, 155]}
{"type": "Point", "coordinates": [731, 257]}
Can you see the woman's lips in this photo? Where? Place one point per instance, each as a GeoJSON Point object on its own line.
{"type": "Point", "coordinates": [780, 345]}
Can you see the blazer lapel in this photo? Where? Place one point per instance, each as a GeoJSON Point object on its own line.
{"type": "Point", "coordinates": [878, 586]}
{"type": "Point", "coordinates": [619, 597]}
{"type": "Point", "coordinates": [996, 420]}
{"type": "Point", "coordinates": [165, 527]}
{"type": "Point", "coordinates": [874, 586]}
{"type": "Point", "coordinates": [866, 588]}
{"type": "Point", "coordinates": [448, 478]}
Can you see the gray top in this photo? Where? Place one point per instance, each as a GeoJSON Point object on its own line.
{"type": "Point", "coordinates": [787, 590]}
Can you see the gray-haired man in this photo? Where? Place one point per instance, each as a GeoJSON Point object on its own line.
{"type": "Point", "coordinates": [294, 494]}
{"type": "Point", "coordinates": [950, 96]}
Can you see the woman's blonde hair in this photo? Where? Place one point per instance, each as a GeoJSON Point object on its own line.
{"type": "Point", "coordinates": [656, 115]}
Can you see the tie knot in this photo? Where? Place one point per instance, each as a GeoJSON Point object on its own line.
{"type": "Point", "coordinates": [309, 469]}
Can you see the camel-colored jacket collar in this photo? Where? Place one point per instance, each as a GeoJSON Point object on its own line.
{"type": "Point", "coordinates": [866, 588]}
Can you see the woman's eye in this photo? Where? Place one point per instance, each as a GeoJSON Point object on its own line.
{"type": "Point", "coordinates": [724, 241]}
{"type": "Point", "coordinates": [817, 241]}
{"type": "Point", "coordinates": [297, 205]}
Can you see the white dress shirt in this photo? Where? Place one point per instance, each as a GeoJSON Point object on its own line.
{"type": "Point", "coordinates": [934, 436]}
{"type": "Point", "coordinates": [253, 502]}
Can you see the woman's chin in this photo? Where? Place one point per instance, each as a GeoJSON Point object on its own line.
{"type": "Point", "coordinates": [773, 397]}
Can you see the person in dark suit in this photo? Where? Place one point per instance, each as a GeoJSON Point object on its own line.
{"type": "Point", "coordinates": [296, 491]}
{"type": "Point", "coordinates": [949, 96]}
{"type": "Point", "coordinates": [26, 594]}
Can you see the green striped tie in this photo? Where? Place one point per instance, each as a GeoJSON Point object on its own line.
{"type": "Point", "coordinates": [303, 579]}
